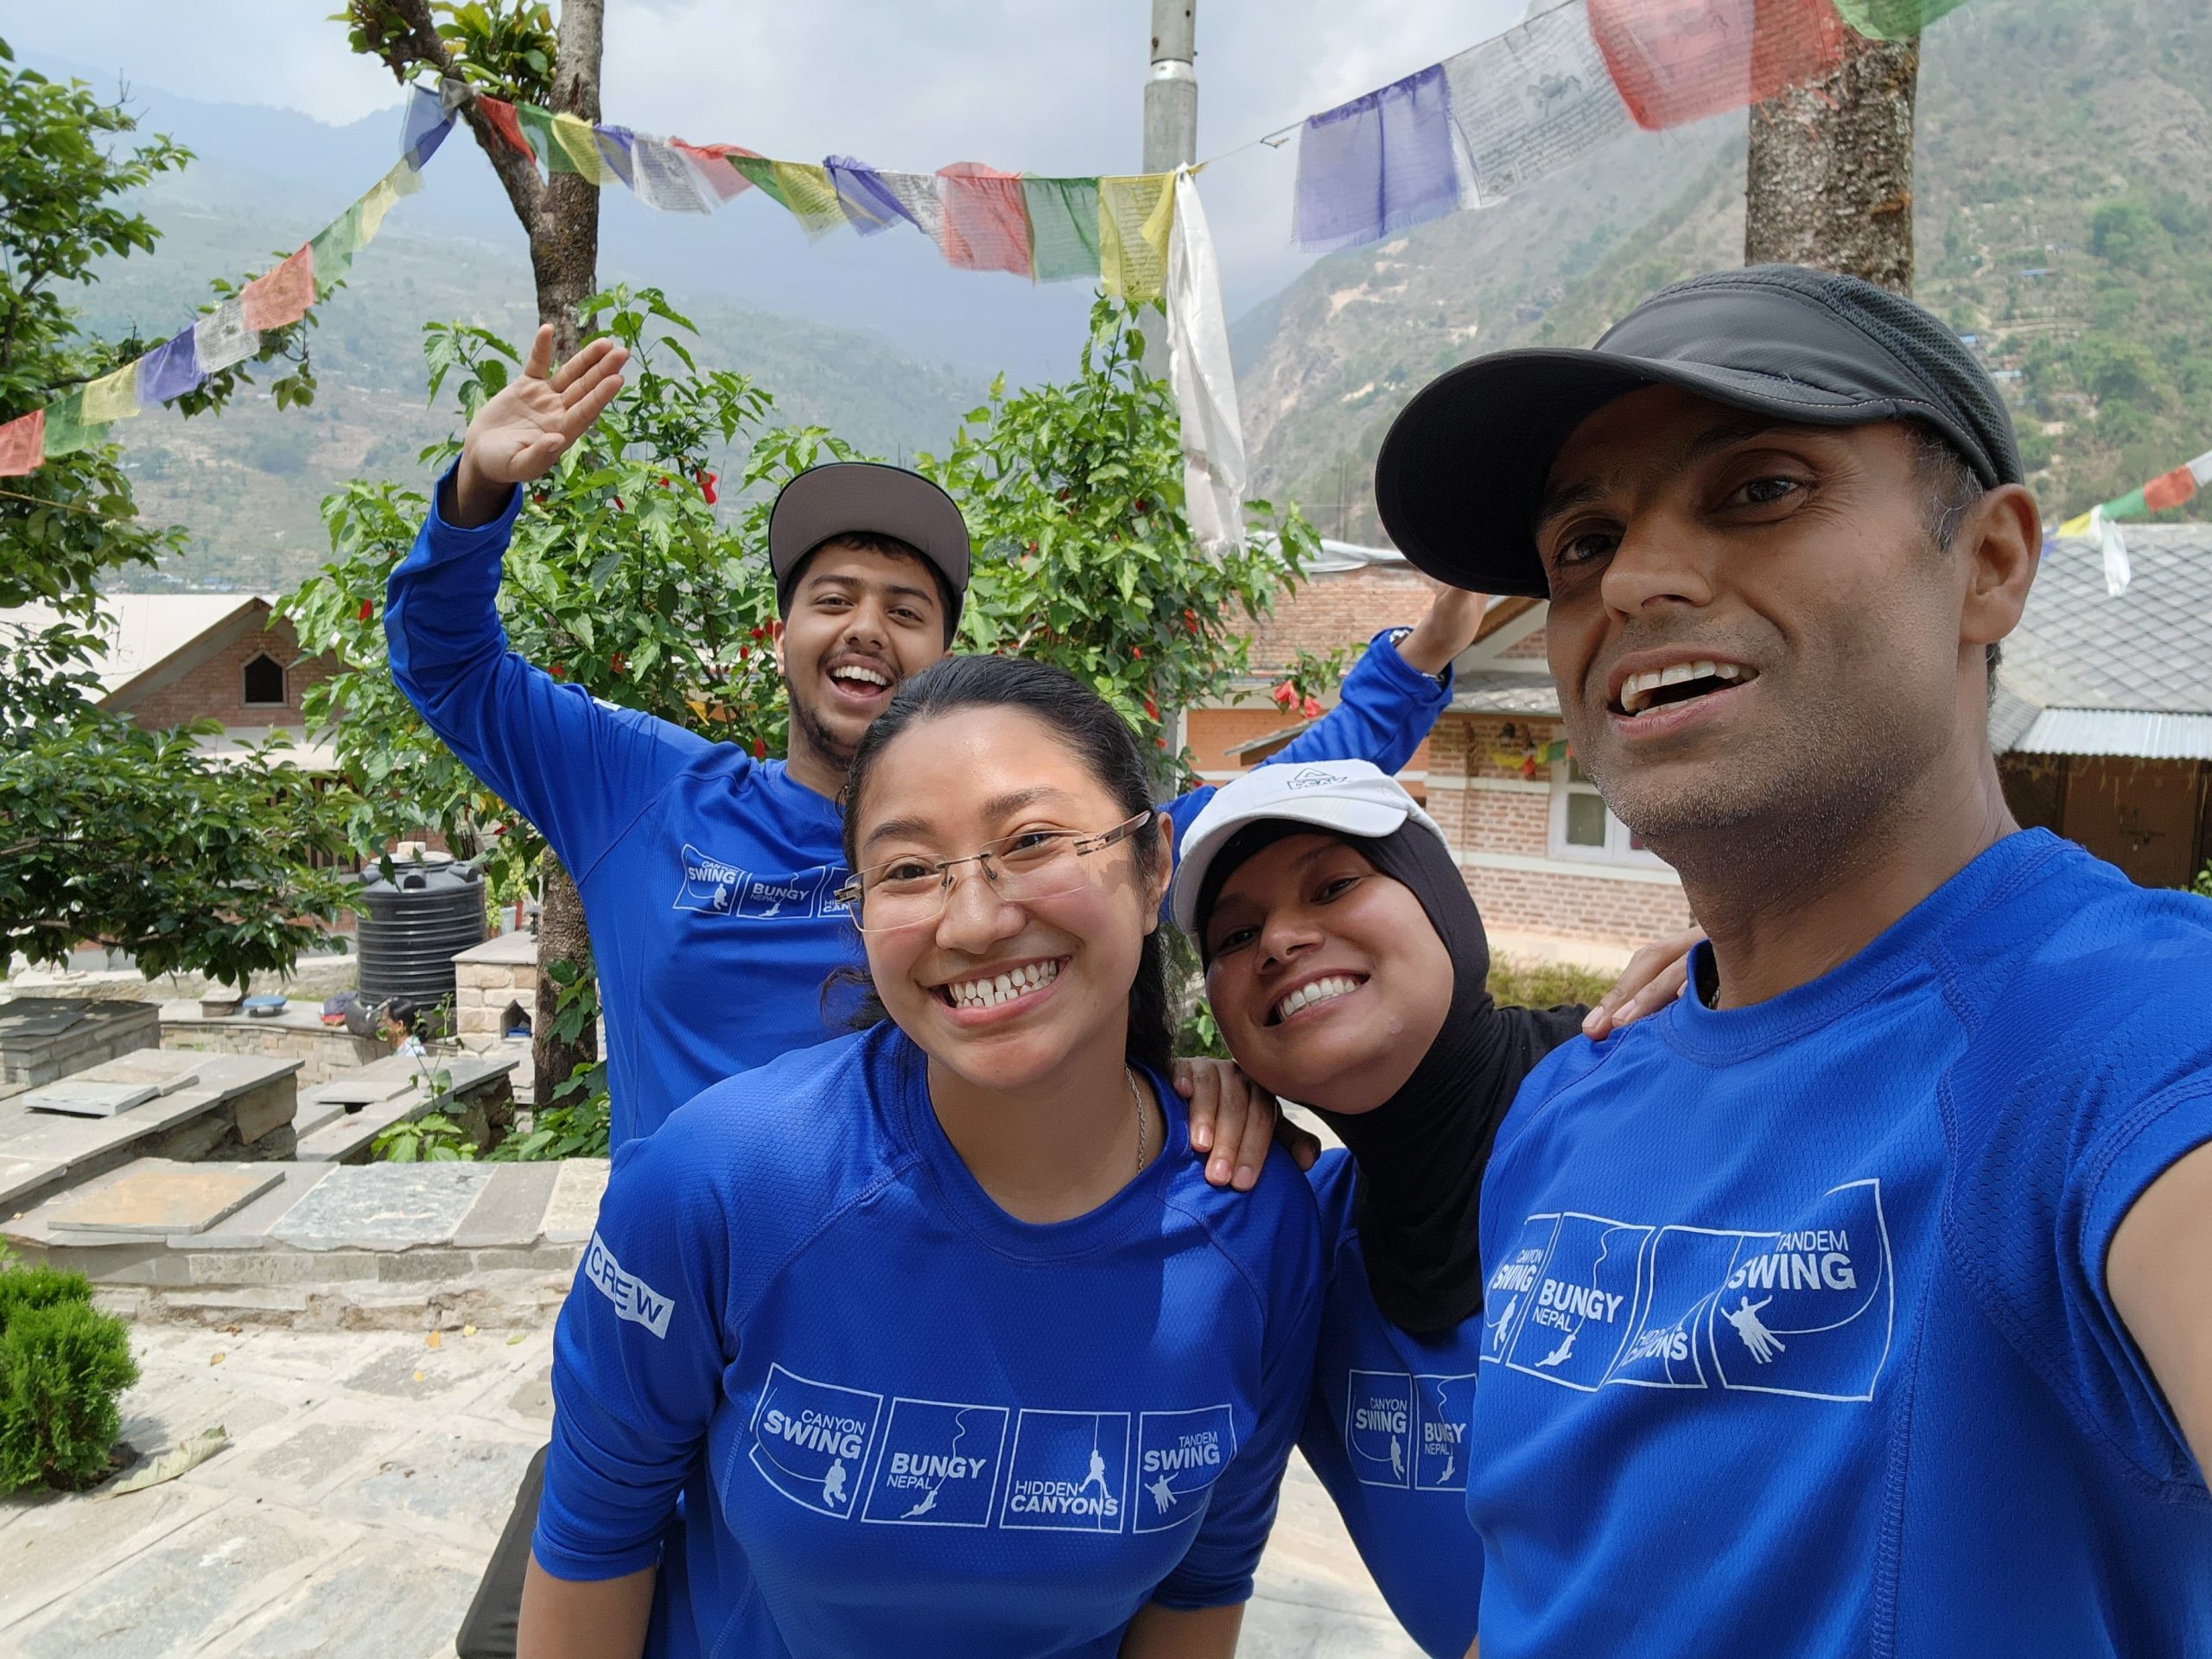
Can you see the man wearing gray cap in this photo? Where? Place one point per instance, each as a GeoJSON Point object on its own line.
{"type": "Point", "coordinates": [1862, 1302]}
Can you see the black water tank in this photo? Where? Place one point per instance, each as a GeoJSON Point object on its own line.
{"type": "Point", "coordinates": [411, 925]}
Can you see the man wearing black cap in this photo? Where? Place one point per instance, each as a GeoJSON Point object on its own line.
{"type": "Point", "coordinates": [1861, 1303]}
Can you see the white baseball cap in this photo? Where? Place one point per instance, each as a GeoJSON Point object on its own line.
{"type": "Point", "coordinates": [1348, 798]}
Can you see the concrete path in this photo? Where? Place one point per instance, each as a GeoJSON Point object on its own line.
{"type": "Point", "coordinates": [369, 1473]}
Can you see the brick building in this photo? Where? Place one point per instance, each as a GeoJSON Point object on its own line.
{"type": "Point", "coordinates": [173, 658]}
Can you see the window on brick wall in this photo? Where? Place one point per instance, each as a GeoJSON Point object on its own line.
{"type": "Point", "coordinates": [1583, 829]}
{"type": "Point", "coordinates": [264, 682]}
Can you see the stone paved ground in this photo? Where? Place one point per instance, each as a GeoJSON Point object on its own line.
{"type": "Point", "coordinates": [367, 1477]}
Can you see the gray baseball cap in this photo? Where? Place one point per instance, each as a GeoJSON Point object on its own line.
{"type": "Point", "coordinates": [1462, 469]}
{"type": "Point", "coordinates": [866, 498]}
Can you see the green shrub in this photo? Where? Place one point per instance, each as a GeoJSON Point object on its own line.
{"type": "Point", "coordinates": [24, 1288]}
{"type": "Point", "coordinates": [1544, 984]}
{"type": "Point", "coordinates": [63, 1366]}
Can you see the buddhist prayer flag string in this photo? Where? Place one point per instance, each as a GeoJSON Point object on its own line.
{"type": "Point", "coordinates": [2100, 525]}
{"type": "Point", "coordinates": [231, 332]}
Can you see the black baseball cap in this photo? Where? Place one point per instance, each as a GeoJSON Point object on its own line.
{"type": "Point", "coordinates": [1462, 469]}
{"type": "Point", "coordinates": [867, 498]}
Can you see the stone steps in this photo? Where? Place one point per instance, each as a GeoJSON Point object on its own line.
{"type": "Point", "coordinates": [327, 1245]}
{"type": "Point", "coordinates": [236, 1109]}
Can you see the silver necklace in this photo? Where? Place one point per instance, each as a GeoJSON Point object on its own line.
{"type": "Point", "coordinates": [1138, 1101]}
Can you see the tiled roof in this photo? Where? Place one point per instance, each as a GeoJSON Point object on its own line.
{"type": "Point", "coordinates": [2149, 648]}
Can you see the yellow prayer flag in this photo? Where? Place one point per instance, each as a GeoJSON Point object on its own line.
{"type": "Point", "coordinates": [810, 194]}
{"type": "Point", "coordinates": [581, 146]}
{"type": "Point", "coordinates": [384, 196]}
{"type": "Point", "coordinates": [112, 397]}
{"type": "Point", "coordinates": [1135, 213]}
{"type": "Point", "coordinates": [2076, 528]}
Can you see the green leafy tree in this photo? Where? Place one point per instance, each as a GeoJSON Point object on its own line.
{"type": "Point", "coordinates": [1073, 494]}
{"type": "Point", "coordinates": [110, 834]}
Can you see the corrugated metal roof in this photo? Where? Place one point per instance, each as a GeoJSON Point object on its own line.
{"type": "Point", "coordinates": [143, 630]}
{"type": "Point", "coordinates": [2144, 734]}
{"type": "Point", "coordinates": [1497, 692]}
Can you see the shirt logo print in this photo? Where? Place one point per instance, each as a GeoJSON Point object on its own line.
{"type": "Point", "coordinates": [633, 1299]}
{"type": "Point", "coordinates": [1804, 1311]}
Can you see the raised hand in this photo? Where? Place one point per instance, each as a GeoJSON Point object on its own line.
{"type": "Point", "coordinates": [519, 433]}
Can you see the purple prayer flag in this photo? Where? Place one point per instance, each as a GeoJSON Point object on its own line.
{"type": "Point", "coordinates": [1377, 164]}
{"type": "Point", "coordinates": [613, 144]}
{"type": "Point", "coordinates": [168, 370]}
{"type": "Point", "coordinates": [866, 200]}
{"type": "Point", "coordinates": [427, 124]}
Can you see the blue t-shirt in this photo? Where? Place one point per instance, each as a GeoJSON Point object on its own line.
{"type": "Point", "coordinates": [1386, 1428]}
{"type": "Point", "coordinates": [903, 1422]}
{"type": "Point", "coordinates": [708, 879]}
{"type": "Point", "coordinates": [1798, 1333]}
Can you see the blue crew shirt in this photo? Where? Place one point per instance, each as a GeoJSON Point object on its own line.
{"type": "Point", "coordinates": [708, 879]}
{"type": "Point", "coordinates": [903, 1422]}
{"type": "Point", "coordinates": [1798, 1333]}
{"type": "Point", "coordinates": [1386, 1429]}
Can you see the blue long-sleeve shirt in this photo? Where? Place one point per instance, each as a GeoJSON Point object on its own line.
{"type": "Point", "coordinates": [1798, 1333]}
{"type": "Point", "coordinates": [903, 1422]}
{"type": "Point", "coordinates": [1386, 1430]}
{"type": "Point", "coordinates": [707, 878]}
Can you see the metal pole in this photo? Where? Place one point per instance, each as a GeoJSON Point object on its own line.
{"type": "Point", "coordinates": [1171, 91]}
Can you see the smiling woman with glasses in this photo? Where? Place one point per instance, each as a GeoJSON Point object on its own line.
{"type": "Point", "coordinates": [945, 1341]}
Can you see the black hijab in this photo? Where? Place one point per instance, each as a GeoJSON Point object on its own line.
{"type": "Point", "coordinates": [1421, 1152]}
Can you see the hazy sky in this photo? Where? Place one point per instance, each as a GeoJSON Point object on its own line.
{"type": "Point", "coordinates": [906, 84]}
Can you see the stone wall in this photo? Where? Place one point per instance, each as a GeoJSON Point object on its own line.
{"type": "Point", "coordinates": [297, 1033]}
{"type": "Point", "coordinates": [491, 979]}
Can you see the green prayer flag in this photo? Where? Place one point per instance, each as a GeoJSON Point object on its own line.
{"type": "Point", "coordinates": [536, 125]}
{"type": "Point", "coordinates": [334, 246]}
{"type": "Point", "coordinates": [1063, 227]}
{"type": "Point", "coordinates": [2131, 506]}
{"type": "Point", "coordinates": [66, 428]}
{"type": "Point", "coordinates": [762, 172]}
{"type": "Point", "coordinates": [1893, 20]}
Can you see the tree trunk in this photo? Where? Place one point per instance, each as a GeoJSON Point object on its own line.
{"type": "Point", "coordinates": [561, 937]}
{"type": "Point", "coordinates": [564, 260]}
{"type": "Point", "coordinates": [1829, 180]}
{"type": "Point", "coordinates": [564, 236]}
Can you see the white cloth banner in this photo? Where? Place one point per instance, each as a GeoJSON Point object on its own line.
{"type": "Point", "coordinates": [2106, 534]}
{"type": "Point", "coordinates": [221, 338]}
{"type": "Point", "coordinates": [1531, 101]}
{"type": "Point", "coordinates": [1204, 384]}
{"type": "Point", "coordinates": [665, 180]}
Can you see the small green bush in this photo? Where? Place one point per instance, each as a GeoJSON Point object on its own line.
{"type": "Point", "coordinates": [64, 1364]}
{"type": "Point", "coordinates": [1544, 984]}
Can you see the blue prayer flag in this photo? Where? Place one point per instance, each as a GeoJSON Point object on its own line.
{"type": "Point", "coordinates": [425, 128]}
{"type": "Point", "coordinates": [1377, 164]}
{"type": "Point", "coordinates": [867, 202]}
{"type": "Point", "coordinates": [168, 370]}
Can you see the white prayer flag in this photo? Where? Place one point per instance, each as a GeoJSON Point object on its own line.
{"type": "Point", "coordinates": [1205, 383]}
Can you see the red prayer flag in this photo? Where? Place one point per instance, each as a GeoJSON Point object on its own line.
{"type": "Point", "coordinates": [2169, 489]}
{"type": "Point", "coordinates": [713, 162]}
{"type": "Point", "coordinates": [986, 220]}
{"type": "Point", "coordinates": [280, 295]}
{"type": "Point", "coordinates": [501, 115]}
{"type": "Point", "coordinates": [23, 444]}
{"type": "Point", "coordinates": [1679, 61]}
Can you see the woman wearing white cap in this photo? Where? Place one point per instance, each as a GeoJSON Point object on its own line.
{"type": "Point", "coordinates": [1345, 964]}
